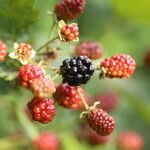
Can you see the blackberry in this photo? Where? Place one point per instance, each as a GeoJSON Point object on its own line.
{"type": "Point", "coordinates": [100, 121]}
{"type": "Point", "coordinates": [46, 141]}
{"type": "Point", "coordinates": [77, 70]}
{"type": "Point", "coordinates": [118, 66]}
{"type": "Point", "coordinates": [130, 140]}
{"type": "Point", "coordinates": [42, 110]}
{"type": "Point", "coordinates": [68, 96]}
{"type": "Point", "coordinates": [68, 10]}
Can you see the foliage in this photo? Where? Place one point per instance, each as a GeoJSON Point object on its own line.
{"type": "Point", "coordinates": [16, 18]}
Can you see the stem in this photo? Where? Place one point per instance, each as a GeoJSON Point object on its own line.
{"type": "Point", "coordinates": [54, 68]}
{"type": "Point", "coordinates": [50, 67]}
{"type": "Point", "coordinates": [55, 76]}
{"type": "Point", "coordinates": [47, 43]}
{"type": "Point", "coordinates": [51, 30]}
{"type": "Point", "coordinates": [27, 125]}
{"type": "Point", "coordinates": [82, 98]}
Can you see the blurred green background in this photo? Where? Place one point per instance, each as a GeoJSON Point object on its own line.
{"type": "Point", "coordinates": [121, 27]}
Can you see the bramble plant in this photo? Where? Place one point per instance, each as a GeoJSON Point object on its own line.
{"type": "Point", "coordinates": [35, 73]}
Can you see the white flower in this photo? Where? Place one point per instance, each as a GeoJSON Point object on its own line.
{"type": "Point", "coordinates": [24, 55]}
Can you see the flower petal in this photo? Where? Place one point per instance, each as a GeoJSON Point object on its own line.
{"type": "Point", "coordinates": [16, 45]}
{"type": "Point", "coordinates": [12, 55]}
{"type": "Point", "coordinates": [61, 24]}
{"type": "Point", "coordinates": [33, 53]}
{"type": "Point", "coordinates": [76, 40]}
{"type": "Point", "coordinates": [24, 62]}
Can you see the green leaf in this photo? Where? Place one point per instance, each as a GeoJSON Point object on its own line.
{"type": "Point", "coordinates": [16, 18]}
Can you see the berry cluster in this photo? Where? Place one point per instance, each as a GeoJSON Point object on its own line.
{"type": "Point", "coordinates": [101, 122]}
{"type": "Point", "coordinates": [68, 96]}
{"type": "Point", "coordinates": [68, 10]}
{"type": "Point", "coordinates": [41, 106]}
{"type": "Point", "coordinates": [42, 110]}
{"type": "Point", "coordinates": [43, 87]}
{"type": "Point", "coordinates": [69, 32]}
{"type": "Point", "coordinates": [118, 66]}
{"type": "Point", "coordinates": [77, 70]}
{"type": "Point", "coordinates": [74, 71]}
{"type": "Point", "coordinates": [29, 72]}
{"type": "Point", "coordinates": [46, 141]}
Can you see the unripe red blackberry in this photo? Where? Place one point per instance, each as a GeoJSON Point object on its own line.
{"type": "Point", "coordinates": [100, 121]}
{"type": "Point", "coordinates": [91, 49]}
{"type": "Point", "coordinates": [29, 72]}
{"type": "Point", "coordinates": [87, 134]}
{"type": "Point", "coordinates": [42, 110]}
{"type": "Point", "coordinates": [147, 58]}
{"type": "Point", "coordinates": [3, 51]}
{"type": "Point", "coordinates": [43, 87]}
{"type": "Point", "coordinates": [69, 9]}
{"type": "Point", "coordinates": [118, 66]}
{"type": "Point", "coordinates": [108, 101]}
{"type": "Point", "coordinates": [77, 70]}
{"type": "Point", "coordinates": [68, 96]}
{"type": "Point", "coordinates": [46, 141]}
{"type": "Point", "coordinates": [128, 140]}
{"type": "Point", "coordinates": [68, 33]}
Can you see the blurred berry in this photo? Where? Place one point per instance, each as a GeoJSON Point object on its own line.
{"type": "Point", "coordinates": [100, 121]}
{"type": "Point", "coordinates": [91, 49]}
{"type": "Point", "coordinates": [46, 141]}
{"type": "Point", "coordinates": [128, 140]}
{"type": "Point", "coordinates": [42, 110]}
{"type": "Point", "coordinates": [77, 70]}
{"type": "Point", "coordinates": [87, 134]}
{"type": "Point", "coordinates": [108, 101]}
{"type": "Point", "coordinates": [67, 96]}
{"type": "Point", "coordinates": [68, 33]}
{"type": "Point", "coordinates": [3, 51]}
{"type": "Point", "coordinates": [68, 10]}
{"type": "Point", "coordinates": [118, 66]}
{"type": "Point", "coordinates": [147, 59]}
{"type": "Point", "coordinates": [43, 87]}
{"type": "Point", "coordinates": [29, 72]}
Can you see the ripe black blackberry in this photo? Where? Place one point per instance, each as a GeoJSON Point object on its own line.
{"type": "Point", "coordinates": [77, 70]}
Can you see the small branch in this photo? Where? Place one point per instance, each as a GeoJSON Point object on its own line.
{"type": "Point", "coordinates": [50, 68]}
{"type": "Point", "coordinates": [51, 30]}
{"type": "Point", "coordinates": [82, 98]}
{"type": "Point", "coordinates": [47, 43]}
{"type": "Point", "coordinates": [30, 130]}
{"type": "Point", "coordinates": [55, 76]}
